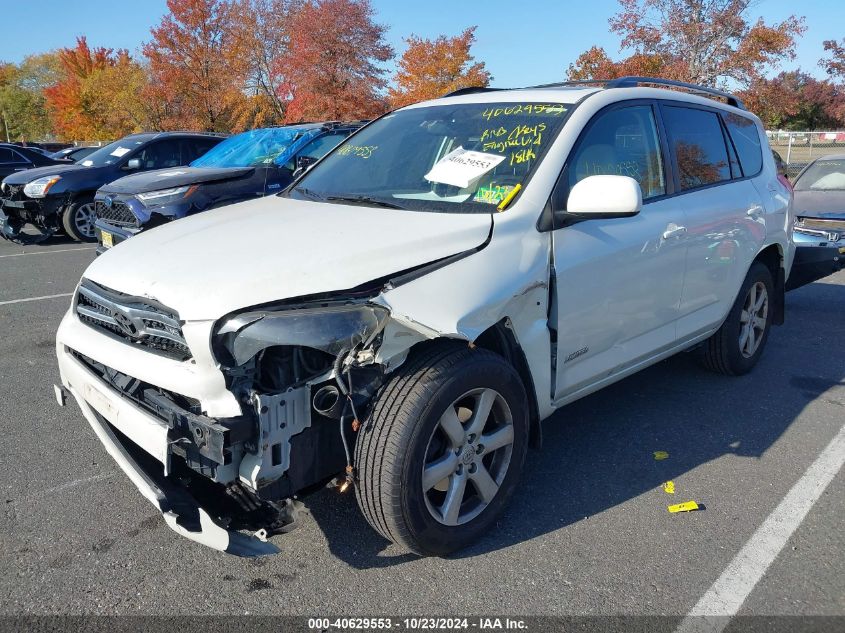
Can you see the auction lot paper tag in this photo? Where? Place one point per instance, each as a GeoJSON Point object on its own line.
{"type": "Point", "coordinates": [461, 167]}
{"type": "Point", "coordinates": [121, 151]}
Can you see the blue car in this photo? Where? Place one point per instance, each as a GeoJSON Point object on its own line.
{"type": "Point", "coordinates": [249, 165]}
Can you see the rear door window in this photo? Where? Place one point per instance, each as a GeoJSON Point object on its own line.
{"type": "Point", "coordinates": [698, 146]}
{"type": "Point", "coordinates": [195, 147]}
{"type": "Point", "coordinates": [746, 140]}
{"type": "Point", "coordinates": [7, 156]}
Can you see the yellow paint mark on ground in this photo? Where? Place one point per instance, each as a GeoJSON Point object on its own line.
{"type": "Point", "coordinates": [660, 455]}
{"type": "Point", "coordinates": [687, 506]}
{"type": "Point", "coordinates": [669, 487]}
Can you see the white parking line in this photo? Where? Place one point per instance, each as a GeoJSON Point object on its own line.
{"type": "Point", "coordinates": [60, 250]}
{"type": "Point", "coordinates": [725, 597]}
{"type": "Point", "coordinates": [65, 294]}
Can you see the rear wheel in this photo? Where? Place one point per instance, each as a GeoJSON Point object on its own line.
{"type": "Point", "coordinates": [78, 221]}
{"type": "Point", "coordinates": [737, 346]}
{"type": "Point", "coordinates": [443, 449]}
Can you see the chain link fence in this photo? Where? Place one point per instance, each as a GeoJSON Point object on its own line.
{"type": "Point", "coordinates": [797, 149]}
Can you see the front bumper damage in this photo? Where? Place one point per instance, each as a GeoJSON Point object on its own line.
{"type": "Point", "coordinates": [18, 210]}
{"type": "Point", "coordinates": [107, 411]}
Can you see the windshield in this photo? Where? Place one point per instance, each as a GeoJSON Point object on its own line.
{"type": "Point", "coordinates": [253, 148]}
{"type": "Point", "coordinates": [464, 158]}
{"type": "Point", "coordinates": [823, 175]}
{"type": "Point", "coordinates": [111, 153]}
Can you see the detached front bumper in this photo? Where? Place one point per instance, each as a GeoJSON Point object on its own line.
{"type": "Point", "coordinates": [144, 455]}
{"type": "Point", "coordinates": [42, 213]}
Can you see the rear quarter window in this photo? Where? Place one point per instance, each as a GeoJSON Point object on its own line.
{"type": "Point", "coordinates": [698, 145]}
{"type": "Point", "coordinates": [746, 140]}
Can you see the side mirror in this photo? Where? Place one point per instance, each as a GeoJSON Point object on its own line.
{"type": "Point", "coordinates": [605, 197]}
{"type": "Point", "coordinates": [132, 164]}
{"type": "Point", "coordinates": [303, 164]}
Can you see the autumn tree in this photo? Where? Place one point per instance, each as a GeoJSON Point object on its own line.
{"type": "Point", "coordinates": [429, 69]}
{"type": "Point", "coordinates": [262, 37]}
{"type": "Point", "coordinates": [23, 111]}
{"type": "Point", "coordinates": [332, 63]}
{"type": "Point", "coordinates": [795, 100]}
{"type": "Point", "coordinates": [706, 42]}
{"type": "Point", "coordinates": [835, 65]}
{"type": "Point", "coordinates": [196, 73]}
{"type": "Point", "coordinates": [70, 114]}
{"type": "Point", "coordinates": [114, 98]}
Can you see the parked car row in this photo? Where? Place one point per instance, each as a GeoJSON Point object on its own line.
{"type": "Point", "coordinates": [401, 317]}
{"type": "Point", "coordinates": [144, 180]}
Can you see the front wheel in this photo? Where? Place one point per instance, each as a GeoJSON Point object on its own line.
{"type": "Point", "coordinates": [737, 346]}
{"type": "Point", "coordinates": [78, 221]}
{"type": "Point", "coordinates": [442, 452]}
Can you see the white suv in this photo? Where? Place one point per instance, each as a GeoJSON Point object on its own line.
{"type": "Point", "coordinates": [402, 318]}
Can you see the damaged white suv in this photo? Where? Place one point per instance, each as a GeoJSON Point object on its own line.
{"type": "Point", "coordinates": [401, 320]}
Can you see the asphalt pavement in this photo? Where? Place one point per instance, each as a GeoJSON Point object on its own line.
{"type": "Point", "coordinates": [588, 534]}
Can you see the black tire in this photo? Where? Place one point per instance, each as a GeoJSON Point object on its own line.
{"type": "Point", "coordinates": [395, 444]}
{"type": "Point", "coordinates": [78, 221]}
{"type": "Point", "coordinates": [722, 352]}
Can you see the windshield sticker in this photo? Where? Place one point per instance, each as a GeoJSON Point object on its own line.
{"type": "Point", "coordinates": [121, 151]}
{"type": "Point", "coordinates": [461, 167]}
{"type": "Point", "coordinates": [548, 109]}
{"type": "Point", "coordinates": [493, 194]}
{"type": "Point", "coordinates": [361, 151]}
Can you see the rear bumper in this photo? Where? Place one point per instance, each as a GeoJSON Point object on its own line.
{"type": "Point", "coordinates": [109, 413]}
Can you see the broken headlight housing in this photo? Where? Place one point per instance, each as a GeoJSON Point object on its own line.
{"type": "Point", "coordinates": [329, 329]}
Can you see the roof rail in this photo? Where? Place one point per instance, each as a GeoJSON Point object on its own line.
{"type": "Point", "coordinates": [631, 82]}
{"type": "Point", "coordinates": [470, 90]}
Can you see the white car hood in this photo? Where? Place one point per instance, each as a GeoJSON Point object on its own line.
{"type": "Point", "coordinates": [243, 255]}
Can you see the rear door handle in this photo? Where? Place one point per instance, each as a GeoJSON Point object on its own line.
{"type": "Point", "coordinates": [673, 230]}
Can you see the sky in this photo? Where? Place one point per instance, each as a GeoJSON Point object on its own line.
{"type": "Point", "coordinates": [522, 43]}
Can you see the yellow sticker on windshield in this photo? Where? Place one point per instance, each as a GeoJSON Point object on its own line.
{"type": "Point", "coordinates": [361, 151]}
{"type": "Point", "coordinates": [493, 194]}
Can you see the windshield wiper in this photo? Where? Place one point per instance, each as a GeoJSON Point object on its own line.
{"type": "Point", "coordinates": [313, 195]}
{"type": "Point", "coordinates": [365, 201]}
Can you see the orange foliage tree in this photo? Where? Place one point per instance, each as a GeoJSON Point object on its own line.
{"type": "Point", "coordinates": [701, 41]}
{"type": "Point", "coordinates": [429, 69]}
{"type": "Point", "coordinates": [331, 66]}
{"type": "Point", "coordinates": [70, 116]}
{"type": "Point", "coordinates": [196, 71]}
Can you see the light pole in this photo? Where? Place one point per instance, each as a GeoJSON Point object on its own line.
{"type": "Point", "coordinates": [6, 126]}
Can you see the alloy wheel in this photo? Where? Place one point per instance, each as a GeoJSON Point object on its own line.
{"type": "Point", "coordinates": [468, 456]}
{"type": "Point", "coordinates": [84, 219]}
{"type": "Point", "coordinates": [753, 319]}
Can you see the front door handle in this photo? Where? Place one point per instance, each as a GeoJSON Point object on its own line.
{"type": "Point", "coordinates": [673, 230]}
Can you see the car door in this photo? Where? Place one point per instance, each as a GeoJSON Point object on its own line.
{"type": "Point", "coordinates": [617, 282]}
{"type": "Point", "coordinates": [11, 162]}
{"type": "Point", "coordinates": [723, 214]}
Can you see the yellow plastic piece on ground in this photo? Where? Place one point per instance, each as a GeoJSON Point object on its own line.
{"type": "Point", "coordinates": [659, 455]}
{"type": "Point", "coordinates": [687, 506]}
{"type": "Point", "coordinates": [669, 487]}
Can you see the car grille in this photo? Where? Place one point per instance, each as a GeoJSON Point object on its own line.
{"type": "Point", "coordinates": [117, 213]}
{"type": "Point", "coordinates": [132, 319]}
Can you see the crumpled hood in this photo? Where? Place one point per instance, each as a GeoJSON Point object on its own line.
{"type": "Point", "coordinates": [173, 177]}
{"type": "Point", "coordinates": [28, 175]}
{"type": "Point", "coordinates": [207, 265]}
{"type": "Point", "coordinates": [820, 204]}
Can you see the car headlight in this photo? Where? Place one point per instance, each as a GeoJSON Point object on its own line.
{"type": "Point", "coordinates": [328, 329]}
{"type": "Point", "coordinates": [39, 187]}
{"type": "Point", "coordinates": [166, 196]}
